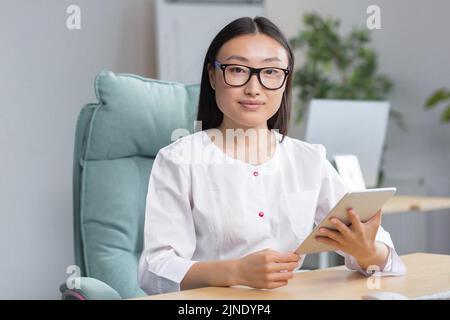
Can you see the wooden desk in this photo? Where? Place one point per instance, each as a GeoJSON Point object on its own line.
{"type": "Point", "coordinates": [401, 203]}
{"type": "Point", "coordinates": [427, 274]}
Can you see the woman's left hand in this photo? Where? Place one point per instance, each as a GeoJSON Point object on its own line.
{"type": "Point", "coordinates": [357, 240]}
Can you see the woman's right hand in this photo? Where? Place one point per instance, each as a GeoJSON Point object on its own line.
{"type": "Point", "coordinates": [267, 269]}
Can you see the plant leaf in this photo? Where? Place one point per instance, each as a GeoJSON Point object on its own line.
{"type": "Point", "coordinates": [445, 117]}
{"type": "Point", "coordinates": [337, 66]}
{"type": "Point", "coordinates": [437, 96]}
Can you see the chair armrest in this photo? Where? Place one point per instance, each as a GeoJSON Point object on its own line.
{"type": "Point", "coordinates": [89, 289]}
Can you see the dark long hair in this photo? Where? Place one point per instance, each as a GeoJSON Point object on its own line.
{"type": "Point", "coordinates": [208, 112]}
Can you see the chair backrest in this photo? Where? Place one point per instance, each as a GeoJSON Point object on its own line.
{"type": "Point", "coordinates": [116, 142]}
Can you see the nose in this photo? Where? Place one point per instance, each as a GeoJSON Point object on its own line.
{"type": "Point", "coordinates": [253, 87]}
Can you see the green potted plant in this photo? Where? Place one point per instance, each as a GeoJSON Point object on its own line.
{"type": "Point", "coordinates": [342, 67]}
{"type": "Point", "coordinates": [438, 96]}
{"type": "Point", "coordinates": [337, 67]}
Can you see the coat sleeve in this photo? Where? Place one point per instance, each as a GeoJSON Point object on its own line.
{"type": "Point", "coordinates": [169, 233]}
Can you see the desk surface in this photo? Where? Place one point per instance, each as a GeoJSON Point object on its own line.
{"type": "Point", "coordinates": [414, 203]}
{"type": "Point", "coordinates": [427, 274]}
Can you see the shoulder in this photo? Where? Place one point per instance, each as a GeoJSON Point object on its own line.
{"type": "Point", "coordinates": [304, 149]}
{"type": "Point", "coordinates": [183, 149]}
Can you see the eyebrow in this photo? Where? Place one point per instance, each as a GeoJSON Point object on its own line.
{"type": "Point", "coordinates": [240, 58]}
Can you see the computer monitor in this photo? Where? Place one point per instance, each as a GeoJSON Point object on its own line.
{"type": "Point", "coordinates": [350, 127]}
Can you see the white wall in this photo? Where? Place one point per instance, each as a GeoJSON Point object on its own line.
{"type": "Point", "coordinates": [182, 44]}
{"type": "Point", "coordinates": [47, 74]}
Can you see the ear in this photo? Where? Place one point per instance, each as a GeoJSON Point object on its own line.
{"type": "Point", "coordinates": [212, 76]}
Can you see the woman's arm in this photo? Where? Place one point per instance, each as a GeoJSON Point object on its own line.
{"type": "Point", "coordinates": [212, 273]}
{"type": "Point", "coordinates": [169, 230]}
{"type": "Point", "coordinates": [378, 258]}
{"type": "Point", "coordinates": [265, 269]}
{"type": "Point", "coordinates": [364, 245]}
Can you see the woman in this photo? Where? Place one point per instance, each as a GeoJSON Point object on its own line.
{"type": "Point", "coordinates": [229, 204]}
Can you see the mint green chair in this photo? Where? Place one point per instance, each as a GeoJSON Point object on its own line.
{"type": "Point", "coordinates": [116, 142]}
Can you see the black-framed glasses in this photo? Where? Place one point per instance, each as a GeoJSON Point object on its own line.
{"type": "Point", "coordinates": [237, 75]}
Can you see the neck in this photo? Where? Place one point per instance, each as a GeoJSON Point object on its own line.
{"type": "Point", "coordinates": [239, 130]}
{"type": "Point", "coordinates": [254, 143]}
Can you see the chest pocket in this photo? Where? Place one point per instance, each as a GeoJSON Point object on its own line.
{"type": "Point", "coordinates": [299, 209]}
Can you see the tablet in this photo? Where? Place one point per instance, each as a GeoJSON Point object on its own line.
{"type": "Point", "coordinates": [365, 203]}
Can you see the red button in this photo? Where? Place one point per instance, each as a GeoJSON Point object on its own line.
{"type": "Point", "coordinates": [255, 173]}
{"type": "Point", "coordinates": [261, 214]}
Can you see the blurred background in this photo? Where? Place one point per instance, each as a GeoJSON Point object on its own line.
{"type": "Point", "coordinates": [48, 67]}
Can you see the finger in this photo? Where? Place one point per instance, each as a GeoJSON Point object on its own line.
{"type": "Point", "coordinates": [354, 218]}
{"type": "Point", "coordinates": [280, 276]}
{"type": "Point", "coordinates": [286, 257]}
{"type": "Point", "coordinates": [329, 242]}
{"type": "Point", "coordinates": [335, 235]}
{"type": "Point", "coordinates": [342, 228]}
{"type": "Point", "coordinates": [277, 284]}
{"type": "Point", "coordinates": [276, 267]}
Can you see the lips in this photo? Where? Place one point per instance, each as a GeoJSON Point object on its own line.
{"type": "Point", "coordinates": [251, 104]}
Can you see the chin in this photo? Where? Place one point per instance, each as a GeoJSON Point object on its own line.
{"type": "Point", "coordinates": [254, 122]}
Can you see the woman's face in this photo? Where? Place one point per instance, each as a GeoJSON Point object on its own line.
{"type": "Point", "coordinates": [257, 51]}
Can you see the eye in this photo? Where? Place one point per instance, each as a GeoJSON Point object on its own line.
{"type": "Point", "coordinates": [272, 72]}
{"type": "Point", "coordinates": [236, 69]}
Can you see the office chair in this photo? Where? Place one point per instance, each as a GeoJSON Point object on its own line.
{"type": "Point", "coordinates": [116, 142]}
